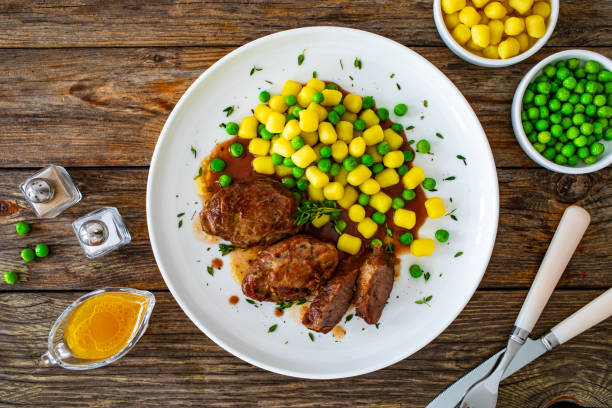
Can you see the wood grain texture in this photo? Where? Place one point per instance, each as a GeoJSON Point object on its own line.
{"type": "Point", "coordinates": [89, 23]}
{"type": "Point", "coordinates": [532, 202]}
{"type": "Point", "coordinates": [174, 364]}
{"type": "Point", "coordinates": [110, 104]}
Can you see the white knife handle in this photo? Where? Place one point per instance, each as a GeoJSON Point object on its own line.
{"type": "Point", "coordinates": [598, 310]}
{"type": "Point", "coordinates": [571, 228]}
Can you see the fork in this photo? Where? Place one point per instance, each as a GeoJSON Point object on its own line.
{"type": "Point", "coordinates": [570, 230]}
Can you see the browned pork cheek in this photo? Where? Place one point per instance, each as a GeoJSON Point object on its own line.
{"type": "Point", "coordinates": [333, 299]}
{"type": "Point", "coordinates": [254, 212]}
{"type": "Point", "coordinates": [290, 269]}
{"type": "Point", "coordinates": [374, 284]}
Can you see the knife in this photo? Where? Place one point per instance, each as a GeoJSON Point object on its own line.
{"type": "Point", "coordinates": [598, 310]}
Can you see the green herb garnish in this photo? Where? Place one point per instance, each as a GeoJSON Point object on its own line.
{"type": "Point", "coordinates": [348, 318]}
{"type": "Point", "coordinates": [199, 173]}
{"type": "Point", "coordinates": [398, 86]}
{"type": "Point", "coordinates": [392, 75]}
{"type": "Point", "coordinates": [449, 178]}
{"type": "Point", "coordinates": [301, 301]}
{"type": "Point", "coordinates": [229, 110]}
{"type": "Point", "coordinates": [458, 254]}
{"type": "Point", "coordinates": [210, 270]}
{"type": "Point", "coordinates": [283, 306]}
{"type": "Point", "coordinates": [376, 324]}
{"type": "Point", "coordinates": [180, 223]}
{"type": "Point", "coordinates": [425, 103]}
{"type": "Point", "coordinates": [351, 77]}
{"type": "Point", "coordinates": [460, 157]}
{"type": "Point", "coordinates": [439, 135]}
{"type": "Point", "coordinates": [309, 210]}
{"type": "Point", "coordinates": [270, 82]}
{"type": "Point", "coordinates": [253, 70]}
{"type": "Point", "coordinates": [426, 276]}
{"type": "Point", "coordinates": [251, 301]}
{"type": "Point", "coordinates": [301, 57]}
{"type": "Point", "coordinates": [453, 217]}
{"type": "Point", "coordinates": [311, 336]}
{"type": "Point", "coordinates": [179, 215]}
{"type": "Point", "coordinates": [272, 328]}
{"type": "Point", "coordinates": [357, 63]}
{"type": "Point", "coordinates": [424, 301]}
{"type": "Point", "coordinates": [389, 247]}
{"type": "Point", "coordinates": [226, 249]}
{"type": "Point", "coordinates": [314, 74]}
{"type": "Point", "coordinates": [410, 127]}
{"type": "Point", "coordinates": [194, 151]}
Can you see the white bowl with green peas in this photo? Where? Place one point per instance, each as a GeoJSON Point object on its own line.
{"type": "Point", "coordinates": [604, 159]}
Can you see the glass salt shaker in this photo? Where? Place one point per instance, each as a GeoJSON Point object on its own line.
{"type": "Point", "coordinates": [50, 191]}
{"type": "Point", "coordinates": [101, 232]}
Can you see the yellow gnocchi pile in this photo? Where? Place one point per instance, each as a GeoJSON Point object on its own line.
{"type": "Point", "coordinates": [496, 29]}
{"type": "Point", "coordinates": [332, 148]}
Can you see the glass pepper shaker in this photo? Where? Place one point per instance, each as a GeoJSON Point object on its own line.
{"type": "Point", "coordinates": [50, 191]}
{"type": "Point", "coordinates": [101, 232]}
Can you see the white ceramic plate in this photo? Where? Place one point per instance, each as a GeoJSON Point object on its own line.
{"type": "Point", "coordinates": [405, 326]}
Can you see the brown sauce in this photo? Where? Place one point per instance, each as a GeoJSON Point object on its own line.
{"type": "Point", "coordinates": [278, 312]}
{"type": "Point", "coordinates": [338, 332]}
{"type": "Point", "coordinates": [240, 260]}
{"type": "Point", "coordinates": [217, 263]}
{"type": "Point", "coordinates": [233, 300]}
{"type": "Point", "coordinates": [240, 169]}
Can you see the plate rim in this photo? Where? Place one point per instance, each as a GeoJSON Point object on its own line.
{"type": "Point", "coordinates": [157, 253]}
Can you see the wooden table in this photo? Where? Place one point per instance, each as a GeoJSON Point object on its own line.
{"type": "Point", "coordinates": [89, 85]}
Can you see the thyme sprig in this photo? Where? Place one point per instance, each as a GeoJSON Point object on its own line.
{"type": "Point", "coordinates": [310, 210]}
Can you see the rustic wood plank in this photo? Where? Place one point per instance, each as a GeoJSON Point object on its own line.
{"type": "Point", "coordinates": [174, 364]}
{"type": "Point", "coordinates": [180, 23]}
{"type": "Point", "coordinates": [106, 107]}
{"type": "Point", "coordinates": [532, 201]}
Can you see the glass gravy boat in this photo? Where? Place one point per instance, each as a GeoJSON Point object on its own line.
{"type": "Point", "coordinates": [59, 352]}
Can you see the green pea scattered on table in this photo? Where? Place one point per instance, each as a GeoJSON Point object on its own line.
{"type": "Point", "coordinates": [23, 228]}
{"type": "Point", "coordinates": [11, 277]}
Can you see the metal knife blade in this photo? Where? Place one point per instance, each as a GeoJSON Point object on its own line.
{"type": "Point", "coordinates": [450, 397]}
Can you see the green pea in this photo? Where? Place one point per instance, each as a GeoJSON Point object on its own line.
{"type": "Point", "coordinates": [11, 277]}
{"type": "Point", "coordinates": [217, 165]}
{"type": "Point", "coordinates": [556, 118]}
{"type": "Point", "coordinates": [598, 128]}
{"type": "Point", "coordinates": [297, 142]}
{"type": "Point", "coordinates": [23, 228]}
{"type": "Point", "coordinates": [27, 255]}
{"type": "Point", "coordinates": [562, 94]}
{"type": "Point", "coordinates": [295, 111]}
{"type": "Point", "coordinates": [442, 235]}
{"type": "Point", "coordinates": [591, 67]}
{"type": "Point", "coordinates": [335, 169]}
{"type": "Point", "coordinates": [573, 160]}
{"type": "Point", "coordinates": [580, 73]}
{"type": "Point", "coordinates": [549, 153]}
{"type": "Point", "coordinates": [288, 182]}
{"type": "Point", "coordinates": [298, 172]}
{"type": "Point", "coordinates": [383, 113]}
{"type": "Point", "coordinates": [367, 160]}
{"type": "Point", "coordinates": [317, 97]}
{"type": "Point", "coordinates": [277, 159]}
{"type": "Point", "coordinates": [542, 124]}
{"type": "Point", "coordinates": [236, 149]}
{"type": "Point", "coordinates": [583, 152]}
{"type": "Point", "coordinates": [231, 128]}
{"type": "Point", "coordinates": [325, 152]}
{"type": "Point", "coordinates": [597, 149]}
{"type": "Point", "coordinates": [540, 78]}
{"type": "Point", "coordinates": [573, 63]}
{"type": "Point", "coordinates": [400, 109]}
{"type": "Point", "coordinates": [264, 96]}
{"type": "Point", "coordinates": [580, 141]}
{"type": "Point", "coordinates": [383, 148]}
{"type": "Point", "coordinates": [375, 242]}
{"type": "Point", "coordinates": [604, 76]}
{"type": "Point", "coordinates": [568, 150]}
{"type": "Point", "coordinates": [340, 225]}
{"type": "Point", "coordinates": [429, 184]}
{"type": "Point", "coordinates": [533, 113]}
{"type": "Point", "coordinates": [544, 137]}
{"type": "Point", "coordinates": [331, 85]}
{"type": "Point", "coordinates": [579, 108]}
{"type": "Point", "coordinates": [590, 110]}
{"type": "Point", "coordinates": [604, 112]}
{"type": "Point", "coordinates": [566, 123]}
{"type": "Point", "coordinates": [563, 73]}
{"type": "Point", "coordinates": [290, 117]}
{"type": "Point", "coordinates": [524, 116]}
{"type": "Point", "coordinates": [554, 105]}
{"type": "Point", "coordinates": [359, 124]}
{"type": "Point", "coordinates": [528, 96]}
{"type": "Point", "coordinates": [574, 99]}
{"type": "Point", "coordinates": [550, 71]}
{"type": "Point", "coordinates": [544, 112]}
{"type": "Point", "coordinates": [532, 137]}
{"type": "Point", "coordinates": [599, 100]}
{"type": "Point", "coordinates": [591, 87]}
{"type": "Point", "coordinates": [539, 147]}
{"type": "Point", "coordinates": [408, 155]}
{"type": "Point", "coordinates": [590, 160]}
{"type": "Point", "coordinates": [398, 203]}
{"type": "Point", "coordinates": [569, 83]}
{"type": "Point", "coordinates": [406, 238]}
{"type": "Point", "coordinates": [567, 108]}
{"type": "Point", "coordinates": [379, 218]}
{"type": "Point", "coordinates": [302, 185]}
{"type": "Point", "coordinates": [363, 199]}
{"type": "Point", "coordinates": [560, 159]}
{"type": "Point", "coordinates": [397, 127]}
{"type": "Point", "coordinates": [423, 146]}
{"type": "Point", "coordinates": [290, 100]}
{"type": "Point", "coordinates": [41, 250]}
{"type": "Point", "coordinates": [415, 271]}
{"type": "Point", "coordinates": [333, 117]}
{"type": "Point", "coordinates": [586, 99]}
{"type": "Point", "coordinates": [324, 165]}
{"type": "Point", "coordinates": [543, 88]}
{"type": "Point", "coordinates": [556, 131]}
{"type": "Point", "coordinates": [334, 214]}
{"type": "Point", "coordinates": [225, 180]}
{"type": "Point", "coordinates": [408, 195]}
{"type": "Point", "coordinates": [288, 162]}
{"type": "Point", "coordinates": [540, 100]}
{"type": "Point", "coordinates": [377, 168]}
{"type": "Point", "coordinates": [367, 102]}
{"type": "Point", "coordinates": [586, 128]}
{"type": "Point", "coordinates": [350, 163]}
{"type": "Point", "coordinates": [265, 134]}
{"type": "Point", "coordinates": [401, 170]}
{"type": "Point", "coordinates": [578, 119]}
{"type": "Point", "coordinates": [339, 109]}
{"type": "Point", "coordinates": [558, 147]}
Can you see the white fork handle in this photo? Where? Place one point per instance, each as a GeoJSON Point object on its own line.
{"type": "Point", "coordinates": [571, 228]}
{"type": "Point", "coordinates": [598, 310]}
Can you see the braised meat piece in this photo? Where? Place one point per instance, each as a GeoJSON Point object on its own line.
{"type": "Point", "coordinates": [374, 284]}
{"type": "Point", "coordinates": [254, 212]}
{"type": "Point", "coordinates": [290, 269]}
{"type": "Point", "coordinates": [333, 299]}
